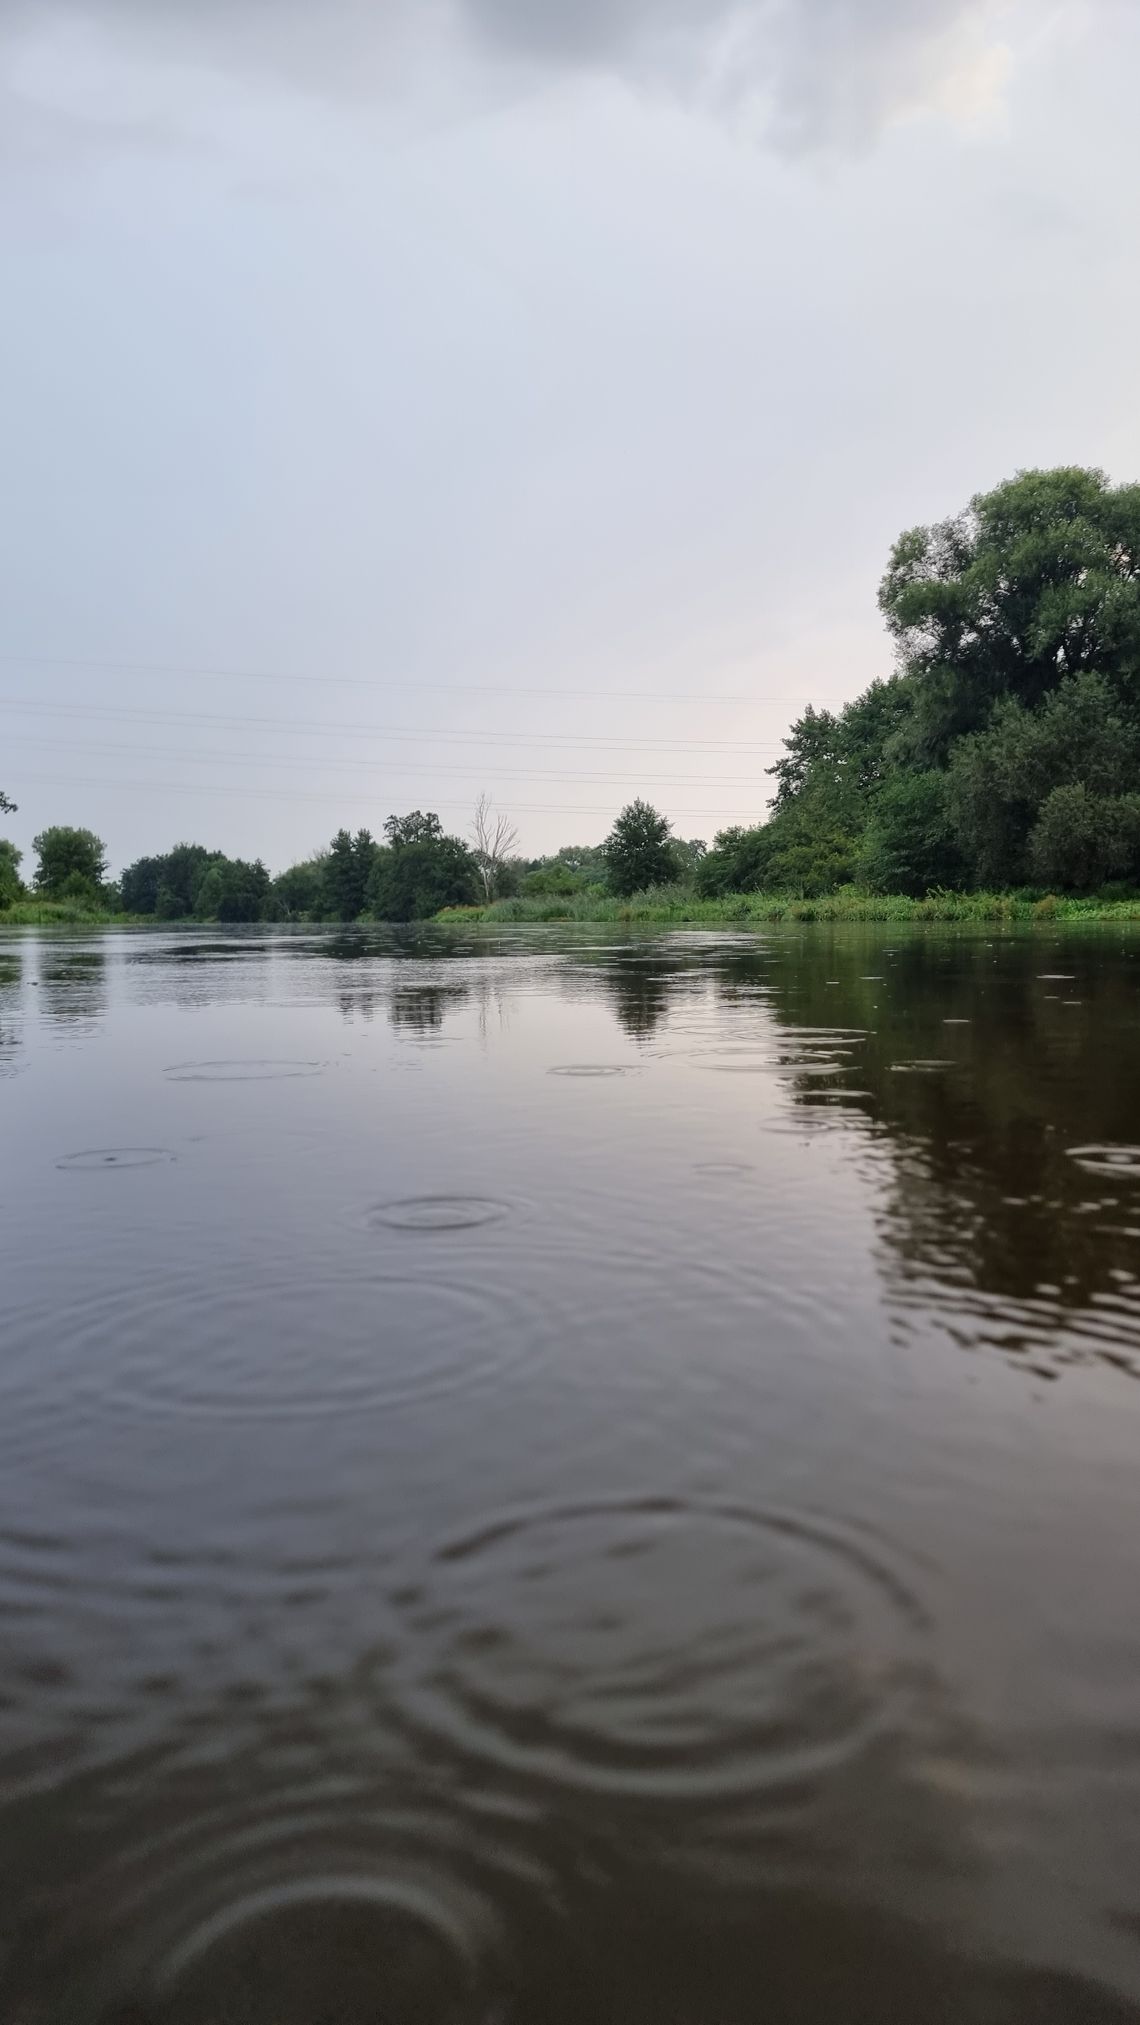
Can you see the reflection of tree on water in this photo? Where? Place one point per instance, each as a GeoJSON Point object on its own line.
{"type": "Point", "coordinates": [422, 1008]}
{"type": "Point", "coordinates": [641, 989]}
{"type": "Point", "coordinates": [356, 1002]}
{"type": "Point", "coordinates": [11, 1009]}
{"type": "Point", "coordinates": [987, 1219]}
{"type": "Point", "coordinates": [641, 994]}
{"type": "Point", "coordinates": [73, 985]}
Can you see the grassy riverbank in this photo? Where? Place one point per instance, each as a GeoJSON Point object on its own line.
{"type": "Point", "coordinates": [676, 904]}
{"type": "Point", "coordinates": [60, 913]}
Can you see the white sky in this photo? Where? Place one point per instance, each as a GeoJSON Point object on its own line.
{"type": "Point", "coordinates": [399, 401]}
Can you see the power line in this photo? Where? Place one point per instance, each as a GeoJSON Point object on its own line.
{"type": "Point", "coordinates": [337, 765]}
{"type": "Point", "coordinates": [213, 674]}
{"type": "Point", "coordinates": [133, 714]}
{"type": "Point", "coordinates": [301, 795]}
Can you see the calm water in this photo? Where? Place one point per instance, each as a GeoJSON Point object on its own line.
{"type": "Point", "coordinates": [553, 1477]}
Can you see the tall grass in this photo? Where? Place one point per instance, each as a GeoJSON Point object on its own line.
{"type": "Point", "coordinates": [66, 913]}
{"type": "Point", "coordinates": [679, 904]}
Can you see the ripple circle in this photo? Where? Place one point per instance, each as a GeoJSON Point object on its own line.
{"type": "Point", "coordinates": [98, 1159]}
{"type": "Point", "coordinates": [272, 1345]}
{"type": "Point", "coordinates": [254, 1071]}
{"type": "Point", "coordinates": [430, 1213]}
{"type": "Point", "coordinates": [592, 1069]}
{"type": "Point", "coordinates": [660, 1650]}
{"type": "Point", "coordinates": [301, 1910]}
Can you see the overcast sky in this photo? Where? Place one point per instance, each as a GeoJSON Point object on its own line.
{"type": "Point", "coordinates": [404, 400]}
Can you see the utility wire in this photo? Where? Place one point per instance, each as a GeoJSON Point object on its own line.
{"type": "Point", "coordinates": [336, 764]}
{"type": "Point", "coordinates": [214, 674]}
{"type": "Point", "coordinates": [302, 795]}
{"type": "Point", "coordinates": [133, 714]}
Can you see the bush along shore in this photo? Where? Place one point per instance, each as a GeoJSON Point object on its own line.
{"type": "Point", "coordinates": [671, 904]}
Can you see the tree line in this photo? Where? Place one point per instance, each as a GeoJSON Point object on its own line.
{"type": "Point", "coordinates": [413, 872]}
{"type": "Point", "coordinates": [1003, 751]}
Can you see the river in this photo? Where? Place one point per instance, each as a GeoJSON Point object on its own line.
{"type": "Point", "coordinates": [562, 1475]}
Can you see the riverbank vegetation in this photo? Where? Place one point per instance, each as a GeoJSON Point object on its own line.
{"type": "Point", "coordinates": [681, 905]}
{"type": "Point", "coordinates": [994, 775]}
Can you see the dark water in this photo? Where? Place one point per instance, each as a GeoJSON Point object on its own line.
{"type": "Point", "coordinates": [555, 1477]}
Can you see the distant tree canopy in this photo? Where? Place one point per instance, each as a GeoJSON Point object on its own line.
{"type": "Point", "coordinates": [415, 872]}
{"type": "Point", "coordinates": [346, 872]}
{"type": "Point", "coordinates": [168, 886]}
{"type": "Point", "coordinates": [234, 889]}
{"type": "Point", "coordinates": [7, 808]}
{"type": "Point", "coordinates": [638, 851]}
{"type": "Point", "coordinates": [299, 891]}
{"type": "Point", "coordinates": [421, 870]}
{"type": "Point", "coordinates": [72, 864]}
{"type": "Point", "coordinates": [11, 884]}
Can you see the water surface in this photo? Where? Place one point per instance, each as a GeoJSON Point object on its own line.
{"type": "Point", "coordinates": [569, 1475]}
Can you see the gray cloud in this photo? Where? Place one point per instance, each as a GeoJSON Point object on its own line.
{"type": "Point", "coordinates": [824, 70]}
{"type": "Point", "coordinates": [806, 72]}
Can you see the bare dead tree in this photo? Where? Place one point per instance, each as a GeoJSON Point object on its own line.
{"type": "Point", "coordinates": [494, 837]}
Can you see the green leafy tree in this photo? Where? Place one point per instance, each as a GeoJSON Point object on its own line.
{"type": "Point", "coordinates": [689, 853]}
{"type": "Point", "coordinates": [740, 861]}
{"type": "Point", "coordinates": [999, 778]}
{"type": "Point", "coordinates": [552, 880]}
{"type": "Point", "coordinates": [1036, 581]}
{"type": "Point", "coordinates": [140, 885]}
{"type": "Point", "coordinates": [347, 869]}
{"type": "Point", "coordinates": [638, 851]}
{"type": "Point", "coordinates": [71, 859]}
{"type": "Point", "coordinates": [815, 742]}
{"type": "Point", "coordinates": [11, 884]}
{"type": "Point", "coordinates": [572, 869]}
{"type": "Point", "coordinates": [234, 889]}
{"type": "Point", "coordinates": [413, 881]}
{"type": "Point", "coordinates": [1080, 839]}
{"type": "Point", "coordinates": [7, 808]}
{"type": "Point", "coordinates": [415, 828]}
{"type": "Point", "coordinates": [301, 889]}
{"type": "Point", "coordinates": [167, 885]}
{"type": "Point", "coordinates": [909, 844]}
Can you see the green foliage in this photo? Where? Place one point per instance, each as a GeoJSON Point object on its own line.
{"type": "Point", "coordinates": [347, 869]}
{"type": "Point", "coordinates": [233, 890]}
{"type": "Point", "coordinates": [1081, 840]}
{"type": "Point", "coordinates": [849, 903]}
{"type": "Point", "coordinates": [167, 886]}
{"type": "Point", "coordinates": [909, 844]}
{"type": "Point", "coordinates": [689, 854]}
{"type": "Point", "coordinates": [1035, 581]}
{"type": "Point", "coordinates": [65, 857]}
{"type": "Point", "coordinates": [412, 880]}
{"type": "Point", "coordinates": [552, 880]}
{"type": "Point", "coordinates": [1000, 778]}
{"type": "Point", "coordinates": [11, 884]}
{"type": "Point", "coordinates": [33, 913]}
{"type": "Point", "coordinates": [7, 808]}
{"type": "Point", "coordinates": [415, 828]}
{"type": "Point", "coordinates": [638, 851]}
{"type": "Point", "coordinates": [1018, 628]}
{"type": "Point", "coordinates": [300, 890]}
{"type": "Point", "coordinates": [572, 869]}
{"type": "Point", "coordinates": [738, 862]}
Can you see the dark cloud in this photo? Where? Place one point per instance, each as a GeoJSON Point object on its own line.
{"type": "Point", "coordinates": [816, 72]}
